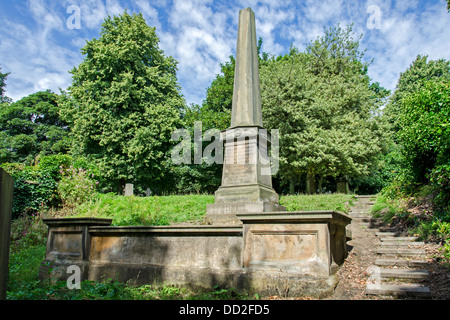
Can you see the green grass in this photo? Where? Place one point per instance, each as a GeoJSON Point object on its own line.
{"type": "Point", "coordinates": [337, 202]}
{"type": "Point", "coordinates": [154, 210]}
{"type": "Point", "coordinates": [165, 210]}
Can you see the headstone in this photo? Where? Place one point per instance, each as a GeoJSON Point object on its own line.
{"type": "Point", "coordinates": [6, 193]}
{"type": "Point", "coordinates": [246, 178]}
{"type": "Point", "coordinates": [128, 189]}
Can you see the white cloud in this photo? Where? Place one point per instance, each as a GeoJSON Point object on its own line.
{"type": "Point", "coordinates": [149, 13]}
{"type": "Point", "coordinates": [39, 50]}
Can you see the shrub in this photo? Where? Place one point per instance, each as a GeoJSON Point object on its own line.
{"type": "Point", "coordinates": [33, 189]}
{"type": "Point", "coordinates": [26, 232]}
{"type": "Point", "coordinates": [52, 164]}
{"type": "Point", "coordinates": [76, 186]}
{"type": "Point", "coordinates": [440, 180]}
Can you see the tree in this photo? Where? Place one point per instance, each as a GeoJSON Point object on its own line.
{"type": "Point", "coordinates": [412, 80]}
{"type": "Point", "coordinates": [32, 126]}
{"type": "Point", "coordinates": [425, 128]}
{"type": "Point", "coordinates": [124, 103]}
{"type": "Point", "coordinates": [3, 77]}
{"type": "Point", "coordinates": [219, 96]}
{"type": "Point", "coordinates": [325, 107]}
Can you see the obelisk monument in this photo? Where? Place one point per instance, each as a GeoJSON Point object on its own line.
{"type": "Point", "coordinates": [246, 178]}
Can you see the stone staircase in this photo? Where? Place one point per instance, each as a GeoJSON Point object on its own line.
{"type": "Point", "coordinates": [400, 266]}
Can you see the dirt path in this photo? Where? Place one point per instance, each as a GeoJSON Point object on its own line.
{"type": "Point", "coordinates": [352, 274]}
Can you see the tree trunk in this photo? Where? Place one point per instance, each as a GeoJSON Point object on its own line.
{"type": "Point", "coordinates": [319, 184]}
{"type": "Point", "coordinates": [310, 183]}
{"type": "Point", "coordinates": [121, 187]}
{"type": "Point", "coordinates": [291, 186]}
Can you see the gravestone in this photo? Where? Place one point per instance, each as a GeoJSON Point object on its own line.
{"type": "Point", "coordinates": [246, 178]}
{"type": "Point", "coordinates": [128, 189]}
{"type": "Point", "coordinates": [6, 192]}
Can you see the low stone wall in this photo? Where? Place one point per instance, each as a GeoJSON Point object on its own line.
{"type": "Point", "coordinates": [270, 253]}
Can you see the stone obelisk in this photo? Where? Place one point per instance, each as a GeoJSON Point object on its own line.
{"type": "Point", "coordinates": [246, 179]}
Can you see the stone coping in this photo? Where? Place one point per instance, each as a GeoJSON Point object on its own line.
{"type": "Point", "coordinates": [85, 221]}
{"type": "Point", "coordinates": [200, 230]}
{"type": "Point", "coordinates": [295, 217]}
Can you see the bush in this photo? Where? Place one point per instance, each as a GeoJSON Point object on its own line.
{"type": "Point", "coordinates": [440, 181]}
{"type": "Point", "coordinates": [26, 232]}
{"type": "Point", "coordinates": [33, 189]}
{"type": "Point", "coordinates": [76, 186]}
{"type": "Point", "coordinates": [52, 164]}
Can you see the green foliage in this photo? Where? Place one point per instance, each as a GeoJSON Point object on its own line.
{"type": "Point", "coordinates": [412, 80]}
{"type": "Point", "coordinates": [124, 103]}
{"type": "Point", "coordinates": [200, 177]}
{"type": "Point", "coordinates": [54, 163]}
{"type": "Point", "coordinates": [76, 186]}
{"type": "Point", "coordinates": [33, 189]}
{"type": "Point", "coordinates": [219, 96]}
{"type": "Point", "coordinates": [3, 98]}
{"type": "Point", "coordinates": [27, 232]}
{"type": "Point", "coordinates": [325, 108]}
{"type": "Point", "coordinates": [154, 210]}
{"type": "Point", "coordinates": [425, 128]}
{"type": "Point", "coordinates": [24, 271]}
{"type": "Point", "coordinates": [31, 127]}
{"type": "Point", "coordinates": [338, 202]}
{"type": "Point", "coordinates": [440, 181]}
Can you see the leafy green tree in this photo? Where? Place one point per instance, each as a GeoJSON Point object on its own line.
{"type": "Point", "coordinates": [124, 103]}
{"type": "Point", "coordinates": [424, 133]}
{"type": "Point", "coordinates": [412, 80]}
{"type": "Point", "coordinates": [3, 77]}
{"type": "Point", "coordinates": [325, 107]}
{"type": "Point", "coordinates": [219, 96]}
{"type": "Point", "coordinates": [198, 177]}
{"type": "Point", "coordinates": [32, 126]}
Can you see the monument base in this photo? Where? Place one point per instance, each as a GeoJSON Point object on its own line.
{"type": "Point", "coordinates": [241, 199]}
{"type": "Point", "coordinates": [225, 213]}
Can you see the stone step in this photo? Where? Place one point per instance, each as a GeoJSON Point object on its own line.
{"type": "Point", "coordinates": [380, 231]}
{"type": "Point", "coordinates": [400, 239]}
{"type": "Point", "coordinates": [361, 216]}
{"type": "Point", "coordinates": [400, 273]}
{"type": "Point", "coordinates": [363, 209]}
{"type": "Point", "coordinates": [407, 289]}
{"type": "Point", "coordinates": [348, 234]}
{"type": "Point", "coordinates": [401, 263]}
{"type": "Point", "coordinates": [373, 224]}
{"type": "Point", "coordinates": [358, 213]}
{"type": "Point", "coordinates": [401, 252]}
{"type": "Point", "coordinates": [383, 233]}
{"type": "Point", "coordinates": [402, 243]}
{"type": "Point", "coordinates": [367, 218]}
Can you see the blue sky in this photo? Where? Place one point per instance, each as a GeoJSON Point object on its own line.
{"type": "Point", "coordinates": [38, 47]}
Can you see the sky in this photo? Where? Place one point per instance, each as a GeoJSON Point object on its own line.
{"type": "Point", "coordinates": [41, 40]}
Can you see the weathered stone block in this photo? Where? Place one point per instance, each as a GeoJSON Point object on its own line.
{"type": "Point", "coordinates": [6, 194]}
{"type": "Point", "coordinates": [68, 243]}
{"type": "Point", "coordinates": [308, 243]}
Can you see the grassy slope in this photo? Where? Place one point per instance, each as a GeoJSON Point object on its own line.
{"type": "Point", "coordinates": [166, 210]}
